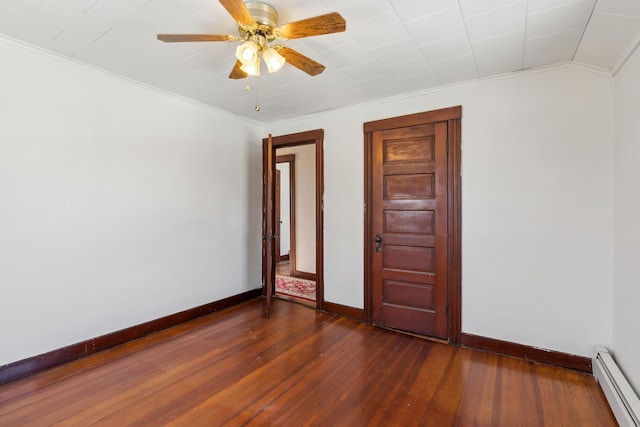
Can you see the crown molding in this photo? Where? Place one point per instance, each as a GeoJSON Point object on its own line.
{"type": "Point", "coordinates": [36, 49]}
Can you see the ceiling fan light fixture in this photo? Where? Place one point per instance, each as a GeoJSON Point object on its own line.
{"type": "Point", "coordinates": [252, 68]}
{"type": "Point", "coordinates": [273, 59]}
{"type": "Point", "coordinates": [247, 52]}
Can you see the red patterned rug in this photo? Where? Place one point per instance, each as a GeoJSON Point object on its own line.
{"type": "Point", "coordinates": [295, 287]}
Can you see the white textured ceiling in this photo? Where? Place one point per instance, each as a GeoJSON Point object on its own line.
{"type": "Point", "coordinates": [390, 48]}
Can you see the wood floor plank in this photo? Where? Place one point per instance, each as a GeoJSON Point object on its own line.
{"type": "Point", "coordinates": [478, 390]}
{"type": "Point", "coordinates": [211, 374]}
{"type": "Point", "coordinates": [341, 392]}
{"type": "Point", "coordinates": [244, 398]}
{"type": "Point", "coordinates": [300, 367]}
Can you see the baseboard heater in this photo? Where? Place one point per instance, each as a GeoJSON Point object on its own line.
{"type": "Point", "coordinates": [623, 401]}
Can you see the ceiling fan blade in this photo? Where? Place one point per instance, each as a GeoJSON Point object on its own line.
{"type": "Point", "coordinates": [300, 61]}
{"type": "Point", "coordinates": [237, 73]}
{"type": "Point", "coordinates": [319, 25]}
{"type": "Point", "coordinates": [239, 12]}
{"type": "Point", "coordinates": [171, 38]}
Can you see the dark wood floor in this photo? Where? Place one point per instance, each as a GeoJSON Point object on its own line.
{"type": "Point", "coordinates": [299, 368]}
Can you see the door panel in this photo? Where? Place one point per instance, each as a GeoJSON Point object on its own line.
{"type": "Point", "coordinates": [409, 214]}
{"type": "Point", "coordinates": [269, 237]}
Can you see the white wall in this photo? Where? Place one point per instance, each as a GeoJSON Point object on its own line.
{"type": "Point", "coordinates": [118, 204]}
{"type": "Point", "coordinates": [536, 204]}
{"type": "Point", "coordinates": [305, 205]}
{"type": "Point", "coordinates": [626, 287]}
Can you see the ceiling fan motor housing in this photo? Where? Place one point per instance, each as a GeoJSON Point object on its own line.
{"type": "Point", "coordinates": [263, 13]}
{"type": "Point", "coordinates": [266, 18]}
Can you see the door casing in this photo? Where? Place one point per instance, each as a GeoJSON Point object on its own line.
{"type": "Point", "coordinates": [290, 159]}
{"type": "Point", "coordinates": [452, 116]}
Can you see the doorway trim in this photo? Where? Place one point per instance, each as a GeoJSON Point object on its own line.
{"type": "Point", "coordinates": [453, 117]}
{"type": "Point", "coordinates": [291, 160]}
{"type": "Point", "coordinates": [315, 137]}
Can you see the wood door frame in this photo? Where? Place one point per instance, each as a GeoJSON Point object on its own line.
{"type": "Point", "coordinates": [291, 159]}
{"type": "Point", "coordinates": [452, 116]}
{"type": "Point", "coordinates": [315, 137]}
{"type": "Point", "coordinates": [277, 220]}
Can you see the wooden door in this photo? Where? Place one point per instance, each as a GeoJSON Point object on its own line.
{"type": "Point", "coordinates": [409, 228]}
{"type": "Point", "coordinates": [269, 236]}
{"type": "Point", "coordinates": [314, 137]}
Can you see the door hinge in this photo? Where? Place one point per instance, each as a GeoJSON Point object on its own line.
{"type": "Point", "coordinates": [447, 309]}
{"type": "Point", "coordinates": [447, 140]}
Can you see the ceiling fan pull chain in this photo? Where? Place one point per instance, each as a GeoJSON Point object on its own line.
{"type": "Point", "coordinates": [258, 94]}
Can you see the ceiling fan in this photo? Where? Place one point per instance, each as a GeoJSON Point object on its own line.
{"type": "Point", "coordinates": [258, 28]}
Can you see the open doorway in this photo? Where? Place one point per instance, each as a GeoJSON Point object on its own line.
{"type": "Point", "coordinates": [297, 205]}
{"type": "Point", "coordinates": [295, 225]}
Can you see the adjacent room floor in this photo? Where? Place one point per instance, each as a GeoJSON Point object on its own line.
{"type": "Point", "coordinates": [293, 288]}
